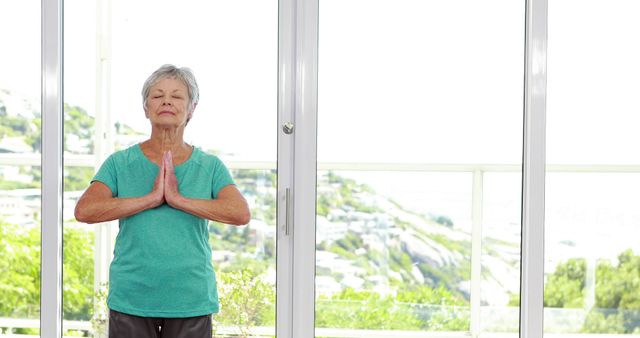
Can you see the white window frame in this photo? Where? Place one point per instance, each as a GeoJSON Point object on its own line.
{"type": "Point", "coordinates": [297, 168]}
{"type": "Point", "coordinates": [533, 171]}
{"type": "Point", "coordinates": [52, 120]}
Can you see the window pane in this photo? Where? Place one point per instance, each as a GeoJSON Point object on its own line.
{"type": "Point", "coordinates": [501, 234]}
{"type": "Point", "coordinates": [417, 96]}
{"type": "Point", "coordinates": [591, 252]}
{"type": "Point", "coordinates": [231, 46]}
{"type": "Point", "coordinates": [593, 72]}
{"type": "Point", "coordinates": [382, 249]}
{"type": "Point", "coordinates": [20, 247]}
{"type": "Point", "coordinates": [20, 81]}
{"type": "Point", "coordinates": [84, 312]}
{"type": "Point", "coordinates": [433, 76]}
{"type": "Point", "coordinates": [592, 218]}
{"type": "Point", "coordinates": [20, 171]}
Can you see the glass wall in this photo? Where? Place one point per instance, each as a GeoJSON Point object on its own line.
{"type": "Point", "coordinates": [419, 124]}
{"type": "Point", "coordinates": [592, 257]}
{"type": "Point", "coordinates": [111, 47]}
{"type": "Point", "coordinates": [20, 170]}
{"type": "Point", "coordinates": [419, 151]}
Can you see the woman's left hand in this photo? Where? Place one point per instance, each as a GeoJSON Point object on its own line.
{"type": "Point", "coordinates": [171, 194]}
{"type": "Point", "coordinates": [229, 207]}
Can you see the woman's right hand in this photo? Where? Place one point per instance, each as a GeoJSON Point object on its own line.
{"type": "Point", "coordinates": [97, 204]}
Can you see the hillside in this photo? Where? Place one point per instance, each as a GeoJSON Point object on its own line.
{"type": "Point", "coordinates": [383, 245]}
{"type": "Point", "coordinates": [365, 241]}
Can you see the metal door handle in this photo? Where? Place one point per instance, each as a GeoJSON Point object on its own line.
{"type": "Point", "coordinates": [287, 211]}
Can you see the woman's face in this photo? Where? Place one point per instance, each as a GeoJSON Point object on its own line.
{"type": "Point", "coordinates": [167, 103]}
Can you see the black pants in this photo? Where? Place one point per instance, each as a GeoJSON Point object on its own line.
{"type": "Point", "coordinates": [122, 325]}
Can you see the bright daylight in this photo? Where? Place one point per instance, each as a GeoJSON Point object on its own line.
{"type": "Point", "coordinates": [418, 221]}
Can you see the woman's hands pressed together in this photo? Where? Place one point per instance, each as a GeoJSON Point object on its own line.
{"type": "Point", "coordinates": [171, 194]}
{"type": "Point", "coordinates": [157, 193]}
{"type": "Point", "coordinates": [230, 207]}
{"type": "Point", "coordinates": [165, 187]}
{"type": "Point", "coordinates": [98, 205]}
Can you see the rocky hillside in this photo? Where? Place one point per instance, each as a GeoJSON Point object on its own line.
{"type": "Point", "coordinates": [366, 240]}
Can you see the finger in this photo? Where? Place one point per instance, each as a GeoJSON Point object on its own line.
{"type": "Point", "coordinates": [169, 163]}
{"type": "Point", "coordinates": [161, 175]}
{"type": "Point", "coordinates": [163, 163]}
{"type": "Point", "coordinates": [170, 178]}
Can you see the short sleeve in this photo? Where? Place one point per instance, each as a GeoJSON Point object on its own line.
{"type": "Point", "coordinates": [107, 175]}
{"type": "Point", "coordinates": [221, 178]}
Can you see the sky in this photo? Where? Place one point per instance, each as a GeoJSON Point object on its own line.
{"type": "Point", "coordinates": [380, 81]}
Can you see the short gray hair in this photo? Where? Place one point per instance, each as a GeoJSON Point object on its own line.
{"type": "Point", "coordinates": [183, 74]}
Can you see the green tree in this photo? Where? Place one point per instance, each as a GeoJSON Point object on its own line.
{"type": "Point", "coordinates": [565, 287]}
{"type": "Point", "coordinates": [619, 287]}
{"type": "Point", "coordinates": [617, 308]}
{"type": "Point", "coordinates": [77, 286]}
{"type": "Point", "coordinates": [416, 308]}
{"type": "Point", "coordinates": [245, 301]}
{"type": "Point", "coordinates": [364, 310]}
{"type": "Point", "coordinates": [19, 271]}
{"type": "Point", "coordinates": [617, 296]}
{"type": "Point", "coordinates": [13, 126]}
{"type": "Point", "coordinates": [598, 321]}
{"type": "Point", "coordinates": [77, 178]}
{"type": "Point", "coordinates": [444, 311]}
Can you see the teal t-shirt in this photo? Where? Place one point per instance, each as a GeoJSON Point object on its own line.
{"type": "Point", "coordinates": [162, 258]}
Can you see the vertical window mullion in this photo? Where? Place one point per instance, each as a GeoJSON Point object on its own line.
{"type": "Point", "coordinates": [532, 275]}
{"type": "Point", "coordinates": [51, 223]}
{"type": "Point", "coordinates": [286, 100]}
{"type": "Point", "coordinates": [305, 168]}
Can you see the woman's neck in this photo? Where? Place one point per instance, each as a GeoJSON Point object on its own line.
{"type": "Point", "coordinates": [167, 139]}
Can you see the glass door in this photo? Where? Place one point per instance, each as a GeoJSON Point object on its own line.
{"type": "Point", "coordinates": [420, 119]}
{"type": "Point", "coordinates": [111, 47]}
{"type": "Point", "coordinates": [592, 257]}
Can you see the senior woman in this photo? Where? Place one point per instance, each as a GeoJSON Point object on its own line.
{"type": "Point", "coordinates": [163, 191]}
